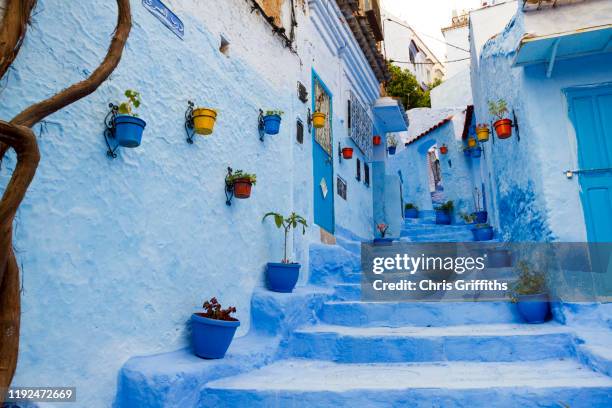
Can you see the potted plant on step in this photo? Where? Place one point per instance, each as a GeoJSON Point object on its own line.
{"type": "Point", "coordinates": [391, 145]}
{"type": "Point", "coordinates": [482, 132]}
{"type": "Point", "coordinates": [318, 117]}
{"type": "Point", "coordinates": [482, 232]}
{"type": "Point", "coordinates": [411, 211]}
{"type": "Point", "coordinates": [272, 121]}
{"type": "Point", "coordinates": [467, 218]}
{"type": "Point", "coordinates": [283, 276]}
{"type": "Point", "coordinates": [212, 331]}
{"type": "Point", "coordinates": [480, 214]}
{"type": "Point", "coordinates": [530, 294]}
{"type": "Point", "coordinates": [444, 213]}
{"type": "Point", "coordinates": [382, 230]}
{"type": "Point", "coordinates": [241, 183]}
{"type": "Point", "coordinates": [503, 125]}
{"type": "Point", "coordinates": [128, 126]}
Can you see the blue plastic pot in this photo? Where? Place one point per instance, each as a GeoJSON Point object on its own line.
{"type": "Point", "coordinates": [282, 277]}
{"type": "Point", "coordinates": [533, 308]}
{"type": "Point", "coordinates": [211, 338]}
{"type": "Point", "coordinates": [476, 152]}
{"type": "Point", "coordinates": [272, 124]}
{"type": "Point", "coordinates": [128, 130]}
{"type": "Point", "coordinates": [411, 213]}
{"type": "Point", "coordinates": [482, 234]}
{"type": "Point", "coordinates": [481, 217]}
{"type": "Point", "coordinates": [467, 152]}
{"type": "Point", "coordinates": [392, 150]}
{"type": "Point", "coordinates": [382, 241]}
{"type": "Point", "coordinates": [442, 217]}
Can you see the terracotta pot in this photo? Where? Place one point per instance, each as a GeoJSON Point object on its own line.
{"type": "Point", "coordinates": [242, 188]}
{"type": "Point", "coordinates": [503, 128]}
{"type": "Point", "coordinates": [377, 140]}
{"type": "Point", "coordinates": [347, 153]}
{"type": "Point", "coordinates": [443, 149]}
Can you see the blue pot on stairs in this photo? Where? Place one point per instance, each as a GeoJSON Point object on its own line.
{"type": "Point", "coordinates": [282, 277]}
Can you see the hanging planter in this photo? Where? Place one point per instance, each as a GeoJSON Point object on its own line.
{"type": "Point", "coordinates": [376, 140]}
{"type": "Point", "coordinates": [282, 277]}
{"type": "Point", "coordinates": [347, 153]}
{"type": "Point", "coordinates": [204, 120]}
{"type": "Point", "coordinates": [212, 332]}
{"type": "Point", "coordinates": [443, 149]}
{"type": "Point", "coordinates": [411, 211]}
{"type": "Point", "coordinates": [531, 295]}
{"type": "Point", "coordinates": [391, 145]}
{"type": "Point", "coordinates": [471, 142]}
{"type": "Point", "coordinates": [272, 122]}
{"type": "Point", "coordinates": [392, 150]}
{"type": "Point", "coordinates": [128, 128]}
{"type": "Point", "coordinates": [318, 120]}
{"type": "Point", "coordinates": [476, 152]}
{"type": "Point", "coordinates": [482, 232]}
{"type": "Point", "coordinates": [467, 152]}
{"type": "Point", "coordinates": [503, 125]}
{"type": "Point", "coordinates": [238, 184]}
{"type": "Point", "coordinates": [482, 133]}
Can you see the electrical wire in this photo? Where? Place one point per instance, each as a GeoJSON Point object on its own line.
{"type": "Point", "coordinates": [430, 63]}
{"type": "Point", "coordinates": [426, 35]}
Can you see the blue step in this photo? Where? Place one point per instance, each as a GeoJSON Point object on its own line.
{"type": "Point", "coordinates": [397, 314]}
{"type": "Point", "coordinates": [313, 383]}
{"type": "Point", "coordinates": [332, 263]}
{"type": "Point", "coordinates": [500, 342]}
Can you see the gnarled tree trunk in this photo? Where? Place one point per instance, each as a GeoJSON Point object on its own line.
{"type": "Point", "coordinates": [18, 135]}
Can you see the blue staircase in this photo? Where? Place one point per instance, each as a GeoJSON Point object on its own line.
{"type": "Point", "coordinates": [323, 347]}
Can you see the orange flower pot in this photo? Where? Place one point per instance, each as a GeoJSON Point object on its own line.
{"type": "Point", "coordinates": [482, 133]}
{"type": "Point", "coordinates": [503, 128]}
{"type": "Point", "coordinates": [443, 149]}
{"type": "Point", "coordinates": [242, 188]}
{"type": "Point", "coordinates": [471, 142]}
{"type": "Point", "coordinates": [347, 153]}
{"type": "Point", "coordinates": [377, 140]}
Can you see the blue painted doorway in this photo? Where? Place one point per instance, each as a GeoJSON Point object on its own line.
{"type": "Point", "coordinates": [590, 110]}
{"type": "Point", "coordinates": [322, 156]}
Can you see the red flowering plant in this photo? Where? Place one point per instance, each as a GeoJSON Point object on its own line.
{"type": "Point", "coordinates": [382, 228]}
{"type": "Point", "coordinates": [214, 310]}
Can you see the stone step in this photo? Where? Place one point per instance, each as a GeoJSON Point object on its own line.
{"type": "Point", "coordinates": [347, 291]}
{"type": "Point", "coordinates": [313, 383]}
{"type": "Point", "coordinates": [436, 314]}
{"type": "Point", "coordinates": [499, 342]}
{"type": "Point", "coordinates": [331, 264]}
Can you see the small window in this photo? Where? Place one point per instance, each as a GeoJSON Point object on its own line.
{"type": "Point", "coordinates": [348, 113]}
{"type": "Point", "coordinates": [224, 46]}
{"type": "Point", "coordinates": [358, 169]}
{"type": "Point", "coordinates": [413, 51]}
{"type": "Point", "coordinates": [366, 174]}
{"type": "Point", "coordinates": [341, 187]}
{"type": "Point", "coordinates": [299, 132]}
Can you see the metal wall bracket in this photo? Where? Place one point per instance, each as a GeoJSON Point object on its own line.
{"type": "Point", "coordinates": [260, 126]}
{"type": "Point", "coordinates": [229, 187]}
{"type": "Point", "coordinates": [515, 125]}
{"type": "Point", "coordinates": [309, 121]}
{"type": "Point", "coordinates": [109, 131]}
{"type": "Point", "coordinates": [189, 126]}
{"type": "Point", "coordinates": [339, 153]}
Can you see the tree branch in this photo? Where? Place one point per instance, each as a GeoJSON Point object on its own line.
{"type": "Point", "coordinates": [13, 30]}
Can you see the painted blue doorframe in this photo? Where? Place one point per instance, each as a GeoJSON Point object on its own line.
{"type": "Point", "coordinates": [323, 165]}
{"type": "Point", "coordinates": [590, 110]}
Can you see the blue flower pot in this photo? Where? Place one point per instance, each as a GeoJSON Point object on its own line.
{"type": "Point", "coordinates": [476, 152]}
{"type": "Point", "coordinates": [467, 153]}
{"type": "Point", "coordinates": [272, 124]}
{"type": "Point", "coordinates": [211, 338]}
{"type": "Point", "coordinates": [128, 130]}
{"type": "Point", "coordinates": [392, 150]}
{"type": "Point", "coordinates": [411, 213]}
{"type": "Point", "coordinates": [533, 308]}
{"type": "Point", "coordinates": [382, 241]}
{"type": "Point", "coordinates": [282, 277]}
{"type": "Point", "coordinates": [481, 217]}
{"type": "Point", "coordinates": [442, 217]}
{"type": "Point", "coordinates": [482, 234]}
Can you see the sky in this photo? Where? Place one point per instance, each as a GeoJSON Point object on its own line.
{"type": "Point", "coordinates": [427, 17]}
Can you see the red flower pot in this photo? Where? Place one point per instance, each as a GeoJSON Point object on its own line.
{"type": "Point", "coordinates": [503, 128]}
{"type": "Point", "coordinates": [347, 152]}
{"type": "Point", "coordinates": [377, 140]}
{"type": "Point", "coordinates": [443, 149]}
{"type": "Point", "coordinates": [242, 188]}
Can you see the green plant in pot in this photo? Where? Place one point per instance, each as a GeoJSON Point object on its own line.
{"type": "Point", "coordinates": [283, 276]}
{"type": "Point", "coordinates": [444, 213]}
{"type": "Point", "coordinates": [391, 145]}
{"type": "Point", "coordinates": [503, 125]}
{"type": "Point", "coordinates": [127, 126]}
{"type": "Point", "coordinates": [411, 211]}
{"type": "Point", "coordinates": [272, 121]}
{"type": "Point", "coordinates": [241, 182]}
{"type": "Point", "coordinates": [467, 218]}
{"type": "Point", "coordinates": [530, 293]}
{"type": "Point", "coordinates": [482, 232]}
{"type": "Point", "coordinates": [212, 330]}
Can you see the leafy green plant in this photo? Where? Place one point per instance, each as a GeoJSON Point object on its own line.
{"type": "Point", "coordinates": [133, 102]}
{"type": "Point", "coordinates": [239, 174]}
{"type": "Point", "coordinates": [410, 206]}
{"type": "Point", "coordinates": [467, 218]}
{"type": "Point", "coordinates": [447, 207]}
{"type": "Point", "coordinates": [274, 112]}
{"type": "Point", "coordinates": [286, 223]}
{"type": "Point", "coordinates": [498, 109]}
{"type": "Point", "coordinates": [480, 226]}
{"type": "Point", "coordinates": [214, 310]}
{"type": "Point", "coordinates": [404, 85]}
{"type": "Point", "coordinates": [530, 282]}
{"type": "Point", "coordinates": [391, 141]}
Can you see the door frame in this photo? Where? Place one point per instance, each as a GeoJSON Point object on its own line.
{"type": "Point", "coordinates": [332, 189]}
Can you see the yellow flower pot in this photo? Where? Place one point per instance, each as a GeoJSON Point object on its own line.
{"type": "Point", "coordinates": [318, 120]}
{"type": "Point", "coordinates": [471, 142]}
{"type": "Point", "coordinates": [482, 133]}
{"type": "Point", "coordinates": [204, 120]}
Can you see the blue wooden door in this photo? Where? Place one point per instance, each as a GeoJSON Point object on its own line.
{"type": "Point", "coordinates": [590, 110]}
{"type": "Point", "coordinates": [322, 155]}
